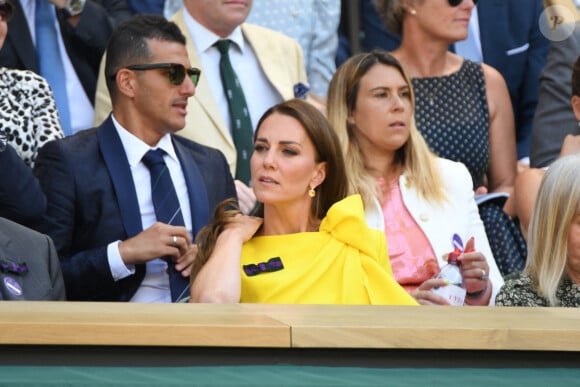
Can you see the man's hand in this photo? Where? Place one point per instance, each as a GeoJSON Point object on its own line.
{"type": "Point", "coordinates": [159, 240]}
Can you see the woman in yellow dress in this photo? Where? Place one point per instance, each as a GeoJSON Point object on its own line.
{"type": "Point", "coordinates": [311, 244]}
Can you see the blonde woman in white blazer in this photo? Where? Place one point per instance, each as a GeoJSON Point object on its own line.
{"type": "Point", "coordinates": [419, 200]}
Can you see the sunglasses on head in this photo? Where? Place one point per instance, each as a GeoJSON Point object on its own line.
{"type": "Point", "coordinates": [176, 72]}
{"type": "Point", "coordinates": [455, 3]}
{"type": "Point", "coordinates": [6, 10]}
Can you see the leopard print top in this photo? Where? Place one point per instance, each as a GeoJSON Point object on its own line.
{"type": "Point", "coordinates": [28, 114]}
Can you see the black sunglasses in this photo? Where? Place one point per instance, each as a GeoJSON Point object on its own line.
{"type": "Point", "coordinates": [455, 3]}
{"type": "Point", "coordinates": [176, 73]}
{"type": "Point", "coordinates": [6, 10]}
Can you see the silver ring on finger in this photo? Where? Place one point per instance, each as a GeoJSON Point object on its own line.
{"type": "Point", "coordinates": [175, 241]}
{"type": "Point", "coordinates": [483, 275]}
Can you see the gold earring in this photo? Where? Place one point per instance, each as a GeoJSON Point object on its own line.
{"type": "Point", "coordinates": [312, 192]}
{"type": "Point", "coordinates": [412, 12]}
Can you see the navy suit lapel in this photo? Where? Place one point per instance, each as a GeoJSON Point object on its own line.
{"type": "Point", "coordinates": [493, 28]}
{"type": "Point", "coordinates": [120, 172]}
{"type": "Point", "coordinates": [20, 38]}
{"type": "Point", "coordinates": [198, 199]}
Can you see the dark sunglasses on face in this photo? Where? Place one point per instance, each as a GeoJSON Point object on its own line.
{"type": "Point", "coordinates": [455, 3]}
{"type": "Point", "coordinates": [176, 72]}
{"type": "Point", "coordinates": [6, 10]}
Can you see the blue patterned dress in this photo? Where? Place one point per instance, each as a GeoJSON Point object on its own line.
{"type": "Point", "coordinates": [453, 116]}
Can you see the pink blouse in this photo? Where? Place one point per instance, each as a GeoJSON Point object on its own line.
{"type": "Point", "coordinates": [411, 255]}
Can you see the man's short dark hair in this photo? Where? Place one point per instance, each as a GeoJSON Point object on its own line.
{"type": "Point", "coordinates": [128, 44]}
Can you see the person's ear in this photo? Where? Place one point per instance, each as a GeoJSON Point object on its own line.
{"type": "Point", "coordinates": [126, 82]}
{"type": "Point", "coordinates": [409, 6]}
{"type": "Point", "coordinates": [576, 106]}
{"type": "Point", "coordinates": [319, 175]}
{"type": "Point", "coordinates": [350, 120]}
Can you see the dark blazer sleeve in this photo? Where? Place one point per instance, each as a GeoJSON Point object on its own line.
{"type": "Point", "coordinates": [21, 198]}
{"type": "Point", "coordinates": [526, 100]}
{"type": "Point", "coordinates": [18, 50]}
{"type": "Point", "coordinates": [97, 21]}
{"type": "Point", "coordinates": [82, 217]}
{"type": "Point", "coordinates": [554, 117]}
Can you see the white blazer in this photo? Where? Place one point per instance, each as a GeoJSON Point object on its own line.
{"type": "Point", "coordinates": [459, 215]}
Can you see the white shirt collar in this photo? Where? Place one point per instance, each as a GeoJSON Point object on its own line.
{"type": "Point", "coordinates": [135, 148]}
{"type": "Point", "coordinates": [204, 39]}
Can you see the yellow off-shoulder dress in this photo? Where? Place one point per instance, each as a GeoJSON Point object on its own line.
{"type": "Point", "coordinates": [345, 262]}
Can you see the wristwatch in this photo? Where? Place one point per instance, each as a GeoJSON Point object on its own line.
{"type": "Point", "coordinates": [75, 7]}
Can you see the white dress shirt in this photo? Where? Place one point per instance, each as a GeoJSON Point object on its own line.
{"type": "Point", "coordinates": [155, 285]}
{"type": "Point", "coordinates": [259, 92]}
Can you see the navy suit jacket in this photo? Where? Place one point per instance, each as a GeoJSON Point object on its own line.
{"type": "Point", "coordinates": [511, 42]}
{"type": "Point", "coordinates": [92, 202]}
{"type": "Point", "coordinates": [21, 198]}
{"type": "Point", "coordinates": [85, 43]}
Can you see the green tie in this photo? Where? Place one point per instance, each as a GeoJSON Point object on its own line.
{"type": "Point", "coordinates": [241, 125]}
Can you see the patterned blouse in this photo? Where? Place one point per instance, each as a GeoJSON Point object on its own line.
{"type": "Point", "coordinates": [453, 116]}
{"type": "Point", "coordinates": [522, 292]}
{"type": "Point", "coordinates": [28, 114]}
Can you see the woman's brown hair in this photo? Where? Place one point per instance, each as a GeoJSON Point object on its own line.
{"type": "Point", "coordinates": [332, 189]}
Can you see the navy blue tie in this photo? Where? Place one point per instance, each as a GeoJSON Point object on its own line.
{"type": "Point", "coordinates": [50, 61]}
{"type": "Point", "coordinates": [167, 210]}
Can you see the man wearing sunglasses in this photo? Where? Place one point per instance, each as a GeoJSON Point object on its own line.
{"type": "Point", "coordinates": [106, 191]}
{"type": "Point", "coordinates": [80, 29]}
{"type": "Point", "coordinates": [268, 65]}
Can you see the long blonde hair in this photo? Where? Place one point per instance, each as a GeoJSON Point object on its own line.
{"type": "Point", "coordinates": [418, 161]}
{"type": "Point", "coordinates": [557, 203]}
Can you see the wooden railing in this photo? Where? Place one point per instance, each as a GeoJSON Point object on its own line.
{"type": "Point", "coordinates": [287, 326]}
{"type": "Point", "coordinates": [282, 329]}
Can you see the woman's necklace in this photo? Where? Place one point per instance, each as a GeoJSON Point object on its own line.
{"type": "Point", "coordinates": [433, 92]}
